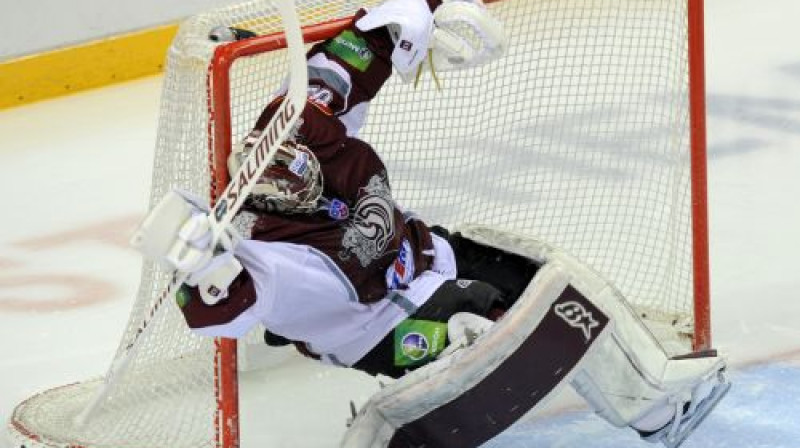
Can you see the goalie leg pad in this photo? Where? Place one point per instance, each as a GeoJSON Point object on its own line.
{"type": "Point", "coordinates": [688, 416]}
{"type": "Point", "coordinates": [630, 376]}
{"type": "Point", "coordinates": [629, 379]}
{"type": "Point", "coordinates": [471, 396]}
{"type": "Point", "coordinates": [621, 370]}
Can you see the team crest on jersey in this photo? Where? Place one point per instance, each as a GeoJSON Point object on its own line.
{"type": "Point", "coordinates": [576, 316]}
{"type": "Point", "coordinates": [371, 225]}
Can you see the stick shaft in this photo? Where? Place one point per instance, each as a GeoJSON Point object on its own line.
{"type": "Point", "coordinates": [231, 200]}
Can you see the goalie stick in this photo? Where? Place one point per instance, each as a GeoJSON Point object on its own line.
{"type": "Point", "coordinates": [231, 200]}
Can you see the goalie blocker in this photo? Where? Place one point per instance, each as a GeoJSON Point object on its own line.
{"type": "Point", "coordinates": [569, 327]}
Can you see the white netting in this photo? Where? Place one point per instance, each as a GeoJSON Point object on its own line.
{"type": "Point", "coordinates": [579, 135]}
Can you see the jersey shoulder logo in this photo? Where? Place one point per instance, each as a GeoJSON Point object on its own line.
{"type": "Point", "coordinates": [576, 316]}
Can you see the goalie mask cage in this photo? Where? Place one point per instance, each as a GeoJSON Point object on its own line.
{"type": "Point", "coordinates": [589, 134]}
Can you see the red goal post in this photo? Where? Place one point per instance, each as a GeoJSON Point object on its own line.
{"type": "Point", "coordinates": [699, 150]}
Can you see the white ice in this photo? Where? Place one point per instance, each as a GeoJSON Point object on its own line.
{"type": "Point", "coordinates": [75, 174]}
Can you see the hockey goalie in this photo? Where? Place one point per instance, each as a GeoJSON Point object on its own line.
{"type": "Point", "coordinates": [478, 326]}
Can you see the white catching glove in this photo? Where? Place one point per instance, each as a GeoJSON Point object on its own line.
{"type": "Point", "coordinates": [465, 35]}
{"type": "Point", "coordinates": [177, 234]}
{"type": "Point", "coordinates": [459, 34]}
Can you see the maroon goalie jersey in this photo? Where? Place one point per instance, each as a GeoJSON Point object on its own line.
{"type": "Point", "coordinates": [361, 230]}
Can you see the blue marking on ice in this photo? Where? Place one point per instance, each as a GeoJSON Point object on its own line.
{"type": "Point", "coordinates": [762, 410]}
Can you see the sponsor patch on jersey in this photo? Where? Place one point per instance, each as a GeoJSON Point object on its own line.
{"type": "Point", "coordinates": [338, 210]}
{"type": "Point", "coordinates": [415, 346]}
{"type": "Point", "coordinates": [351, 49]}
{"type": "Point", "coordinates": [401, 272]}
{"type": "Point", "coordinates": [418, 341]}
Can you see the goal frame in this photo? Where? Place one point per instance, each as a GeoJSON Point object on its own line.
{"type": "Point", "coordinates": [220, 144]}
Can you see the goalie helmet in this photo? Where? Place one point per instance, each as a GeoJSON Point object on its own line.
{"type": "Point", "coordinates": [292, 183]}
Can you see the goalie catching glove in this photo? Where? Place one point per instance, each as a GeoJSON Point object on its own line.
{"type": "Point", "coordinates": [177, 234]}
{"type": "Point", "coordinates": [458, 35]}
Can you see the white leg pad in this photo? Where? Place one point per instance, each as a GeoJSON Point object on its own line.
{"type": "Point", "coordinates": [629, 375]}
{"type": "Point", "coordinates": [569, 327]}
{"type": "Point", "coordinates": [470, 395]}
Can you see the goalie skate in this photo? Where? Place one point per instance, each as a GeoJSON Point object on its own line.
{"type": "Point", "coordinates": [690, 415]}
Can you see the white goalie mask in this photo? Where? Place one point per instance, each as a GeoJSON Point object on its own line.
{"type": "Point", "coordinates": [292, 183]}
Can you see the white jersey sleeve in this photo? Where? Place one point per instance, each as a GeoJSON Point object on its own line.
{"type": "Point", "coordinates": [302, 295]}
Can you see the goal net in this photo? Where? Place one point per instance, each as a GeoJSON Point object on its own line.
{"type": "Point", "coordinates": [581, 135]}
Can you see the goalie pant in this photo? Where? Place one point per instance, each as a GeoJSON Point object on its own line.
{"type": "Point", "coordinates": [569, 327]}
